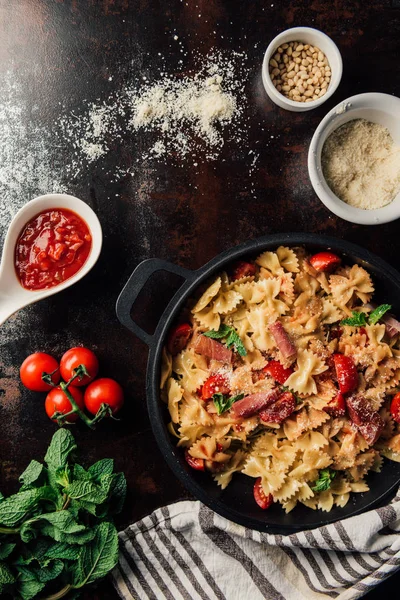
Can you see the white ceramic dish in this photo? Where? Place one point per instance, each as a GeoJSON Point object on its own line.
{"type": "Point", "coordinates": [12, 295]}
{"type": "Point", "coordinates": [313, 37]}
{"type": "Point", "coordinates": [378, 108]}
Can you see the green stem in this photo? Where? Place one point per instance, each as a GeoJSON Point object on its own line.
{"type": "Point", "coordinates": [60, 594]}
{"type": "Point", "coordinates": [9, 529]}
{"type": "Point", "coordinates": [85, 419]}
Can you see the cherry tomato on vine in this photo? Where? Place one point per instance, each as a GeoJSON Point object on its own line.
{"type": "Point", "coordinates": [75, 357]}
{"type": "Point", "coordinates": [57, 401]}
{"type": "Point", "coordinates": [32, 369]}
{"type": "Point", "coordinates": [104, 391]}
{"type": "Point", "coordinates": [260, 496]}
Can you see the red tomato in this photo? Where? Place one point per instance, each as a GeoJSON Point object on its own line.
{"type": "Point", "coordinates": [57, 401]}
{"type": "Point", "coordinates": [214, 385]}
{"type": "Point", "coordinates": [325, 261]}
{"type": "Point", "coordinates": [395, 407]}
{"type": "Point", "coordinates": [195, 463]}
{"type": "Point", "coordinates": [178, 338]}
{"type": "Point", "coordinates": [32, 369]}
{"type": "Point", "coordinates": [279, 410]}
{"type": "Point", "coordinates": [277, 371]}
{"type": "Point", "coordinates": [243, 269]}
{"type": "Point", "coordinates": [104, 391]}
{"type": "Point", "coordinates": [260, 497]}
{"type": "Point", "coordinates": [337, 406]}
{"type": "Point", "coordinates": [75, 357]}
{"type": "Point", "coordinates": [346, 373]}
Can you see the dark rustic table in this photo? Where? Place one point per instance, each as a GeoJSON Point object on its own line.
{"type": "Point", "coordinates": [66, 52]}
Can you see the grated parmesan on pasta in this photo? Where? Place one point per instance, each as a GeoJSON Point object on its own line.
{"type": "Point", "coordinates": [288, 455]}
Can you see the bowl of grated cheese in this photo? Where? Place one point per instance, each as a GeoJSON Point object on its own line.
{"type": "Point", "coordinates": [354, 159]}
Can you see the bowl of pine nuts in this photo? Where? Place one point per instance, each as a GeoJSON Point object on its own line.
{"type": "Point", "coordinates": [302, 68]}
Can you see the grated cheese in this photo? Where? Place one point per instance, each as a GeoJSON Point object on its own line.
{"type": "Point", "coordinates": [361, 164]}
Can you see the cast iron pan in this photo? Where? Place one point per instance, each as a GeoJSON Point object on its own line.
{"type": "Point", "coordinates": [236, 501]}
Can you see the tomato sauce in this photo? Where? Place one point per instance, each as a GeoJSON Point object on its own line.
{"type": "Point", "coordinates": [51, 248]}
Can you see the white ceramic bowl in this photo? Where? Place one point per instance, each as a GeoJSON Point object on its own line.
{"type": "Point", "coordinates": [378, 108]}
{"type": "Point", "coordinates": [12, 295]}
{"type": "Point", "coordinates": [311, 36]}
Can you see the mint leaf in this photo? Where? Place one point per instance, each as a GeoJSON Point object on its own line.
{"type": "Point", "coordinates": [357, 320]}
{"type": "Point", "coordinates": [224, 403]}
{"type": "Point", "coordinates": [51, 571]}
{"type": "Point", "coordinates": [5, 550]}
{"type": "Point", "coordinates": [117, 495]}
{"type": "Point", "coordinates": [324, 481]}
{"type": "Point", "coordinates": [80, 473]}
{"type": "Point", "coordinates": [63, 551]}
{"type": "Point", "coordinates": [6, 576]}
{"type": "Point", "coordinates": [232, 338]}
{"type": "Point", "coordinates": [222, 332]}
{"type": "Point", "coordinates": [55, 525]}
{"type": "Point", "coordinates": [100, 468]}
{"type": "Point", "coordinates": [27, 584]}
{"type": "Point", "coordinates": [61, 446]}
{"type": "Point", "coordinates": [15, 508]}
{"type": "Point", "coordinates": [32, 474]}
{"type": "Point", "coordinates": [378, 313]}
{"type": "Point", "coordinates": [98, 557]}
{"type": "Point", "coordinates": [86, 491]}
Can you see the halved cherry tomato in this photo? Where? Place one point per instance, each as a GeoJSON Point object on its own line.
{"type": "Point", "coordinates": [243, 269]}
{"type": "Point", "coordinates": [32, 369]}
{"type": "Point", "coordinates": [346, 373]}
{"type": "Point", "coordinates": [277, 371]}
{"type": "Point", "coordinates": [395, 407]}
{"type": "Point", "coordinates": [75, 357]}
{"type": "Point", "coordinates": [178, 338]}
{"type": "Point", "coordinates": [260, 497]}
{"type": "Point", "coordinates": [195, 463]}
{"type": "Point", "coordinates": [216, 384]}
{"type": "Point", "coordinates": [57, 401]}
{"type": "Point", "coordinates": [337, 406]}
{"type": "Point", "coordinates": [104, 391]}
{"type": "Point", "coordinates": [325, 261]}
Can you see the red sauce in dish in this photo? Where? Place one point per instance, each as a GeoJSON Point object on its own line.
{"type": "Point", "coordinates": [51, 248]}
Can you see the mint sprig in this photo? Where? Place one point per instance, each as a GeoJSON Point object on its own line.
{"type": "Point", "coordinates": [357, 320]}
{"type": "Point", "coordinates": [230, 336]}
{"type": "Point", "coordinates": [324, 481]}
{"type": "Point", "coordinates": [57, 530]}
{"type": "Point", "coordinates": [378, 313]}
{"type": "Point", "coordinates": [224, 403]}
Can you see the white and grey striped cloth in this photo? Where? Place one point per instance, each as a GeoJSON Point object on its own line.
{"type": "Point", "coordinates": [186, 551]}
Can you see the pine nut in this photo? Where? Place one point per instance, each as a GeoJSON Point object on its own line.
{"type": "Point", "coordinates": [300, 71]}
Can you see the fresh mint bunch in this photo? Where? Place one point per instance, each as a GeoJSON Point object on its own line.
{"type": "Point", "coordinates": [56, 533]}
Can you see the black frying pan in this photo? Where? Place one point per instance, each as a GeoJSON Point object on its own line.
{"type": "Point", "coordinates": [236, 501]}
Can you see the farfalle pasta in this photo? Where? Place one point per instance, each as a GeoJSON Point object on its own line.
{"type": "Point", "coordinates": [289, 377]}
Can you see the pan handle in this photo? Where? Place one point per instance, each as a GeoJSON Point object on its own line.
{"type": "Point", "coordinates": [135, 284]}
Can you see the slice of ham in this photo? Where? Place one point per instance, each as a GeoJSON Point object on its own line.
{"type": "Point", "coordinates": [255, 402]}
{"type": "Point", "coordinates": [284, 343]}
{"type": "Point", "coordinates": [392, 325]}
{"type": "Point", "coordinates": [212, 349]}
{"type": "Point", "coordinates": [369, 423]}
{"type": "Point", "coordinates": [279, 410]}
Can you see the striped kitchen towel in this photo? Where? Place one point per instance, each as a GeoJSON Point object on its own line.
{"type": "Point", "coordinates": [186, 551]}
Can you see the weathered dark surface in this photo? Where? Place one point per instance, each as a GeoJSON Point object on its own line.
{"type": "Point", "coordinates": [66, 51]}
